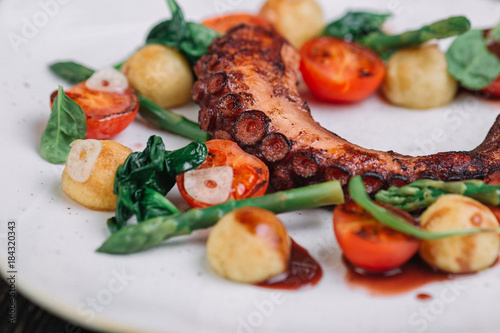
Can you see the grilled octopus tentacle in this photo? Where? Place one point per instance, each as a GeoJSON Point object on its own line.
{"type": "Point", "coordinates": [247, 90]}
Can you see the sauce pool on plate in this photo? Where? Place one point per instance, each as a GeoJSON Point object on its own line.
{"type": "Point", "coordinates": [303, 271]}
{"type": "Point", "coordinates": [412, 275]}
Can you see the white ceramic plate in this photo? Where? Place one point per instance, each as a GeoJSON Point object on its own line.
{"type": "Point", "coordinates": [171, 288]}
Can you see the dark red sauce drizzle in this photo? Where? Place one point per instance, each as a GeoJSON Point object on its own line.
{"type": "Point", "coordinates": [424, 297]}
{"type": "Point", "coordinates": [412, 275]}
{"type": "Point", "coordinates": [302, 271]}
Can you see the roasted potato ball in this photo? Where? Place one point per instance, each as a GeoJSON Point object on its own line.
{"type": "Point", "coordinates": [160, 73]}
{"type": "Point", "coordinates": [89, 174]}
{"type": "Point", "coordinates": [249, 245]}
{"type": "Point", "coordinates": [459, 254]}
{"type": "Point", "coordinates": [418, 78]}
{"type": "Point", "coordinates": [296, 20]}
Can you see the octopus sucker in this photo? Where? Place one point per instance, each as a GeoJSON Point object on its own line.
{"type": "Point", "coordinates": [247, 91]}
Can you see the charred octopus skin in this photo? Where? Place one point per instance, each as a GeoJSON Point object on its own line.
{"type": "Point", "coordinates": [247, 91]}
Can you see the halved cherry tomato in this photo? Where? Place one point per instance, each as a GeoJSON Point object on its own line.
{"type": "Point", "coordinates": [493, 89]}
{"type": "Point", "coordinates": [224, 23]}
{"type": "Point", "coordinates": [107, 113]}
{"type": "Point", "coordinates": [368, 244]}
{"type": "Point", "coordinates": [227, 173]}
{"type": "Point", "coordinates": [340, 71]}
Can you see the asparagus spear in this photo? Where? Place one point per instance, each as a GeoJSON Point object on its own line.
{"type": "Point", "coordinates": [366, 28]}
{"type": "Point", "coordinates": [380, 42]}
{"type": "Point", "coordinates": [156, 115]}
{"type": "Point", "coordinates": [424, 192]}
{"type": "Point", "coordinates": [358, 194]}
{"type": "Point", "coordinates": [141, 236]}
{"type": "Point", "coordinates": [170, 121]}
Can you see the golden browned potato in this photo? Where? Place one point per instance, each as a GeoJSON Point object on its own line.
{"type": "Point", "coordinates": [459, 254]}
{"type": "Point", "coordinates": [160, 73]}
{"type": "Point", "coordinates": [418, 78]}
{"type": "Point", "coordinates": [296, 20]}
{"type": "Point", "coordinates": [89, 174]}
{"type": "Point", "coordinates": [249, 245]}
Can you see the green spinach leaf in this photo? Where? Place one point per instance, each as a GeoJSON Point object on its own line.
{"type": "Point", "coordinates": [66, 124]}
{"type": "Point", "coordinates": [470, 62]}
{"type": "Point", "coordinates": [192, 39]}
{"type": "Point", "coordinates": [154, 204]}
{"type": "Point", "coordinates": [142, 182]}
{"type": "Point", "coordinates": [355, 25]}
{"type": "Point", "coordinates": [71, 71]}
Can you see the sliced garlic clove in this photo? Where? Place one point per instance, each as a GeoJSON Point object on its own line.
{"type": "Point", "coordinates": [81, 159]}
{"type": "Point", "coordinates": [211, 185]}
{"type": "Point", "coordinates": [108, 80]}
